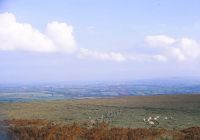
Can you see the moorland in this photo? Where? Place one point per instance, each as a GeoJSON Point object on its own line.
{"type": "Point", "coordinates": [121, 115]}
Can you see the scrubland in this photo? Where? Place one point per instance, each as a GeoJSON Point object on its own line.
{"type": "Point", "coordinates": [177, 117]}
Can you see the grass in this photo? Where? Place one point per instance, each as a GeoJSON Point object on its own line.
{"type": "Point", "coordinates": [119, 111]}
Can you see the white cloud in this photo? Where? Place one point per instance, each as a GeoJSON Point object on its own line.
{"type": "Point", "coordinates": [119, 57]}
{"type": "Point", "coordinates": [178, 54]}
{"type": "Point", "coordinates": [114, 56]}
{"type": "Point", "coordinates": [160, 58]}
{"type": "Point", "coordinates": [187, 49]}
{"type": "Point", "coordinates": [58, 37]}
{"type": "Point", "coordinates": [62, 36]}
{"type": "Point", "coordinates": [184, 49]}
{"type": "Point", "coordinates": [159, 40]}
{"type": "Point", "coordinates": [23, 37]}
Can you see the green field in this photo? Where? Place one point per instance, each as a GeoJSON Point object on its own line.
{"type": "Point", "coordinates": [175, 111]}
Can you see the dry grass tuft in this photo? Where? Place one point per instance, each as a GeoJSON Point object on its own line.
{"type": "Point", "coordinates": [46, 130]}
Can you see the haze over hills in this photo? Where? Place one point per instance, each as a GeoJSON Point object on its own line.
{"type": "Point", "coordinates": [67, 90]}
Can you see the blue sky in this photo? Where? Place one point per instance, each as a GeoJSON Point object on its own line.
{"type": "Point", "coordinates": [85, 40]}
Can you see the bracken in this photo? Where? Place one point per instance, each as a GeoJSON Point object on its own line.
{"type": "Point", "coordinates": [46, 130]}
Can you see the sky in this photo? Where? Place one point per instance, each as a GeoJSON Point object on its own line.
{"type": "Point", "coordinates": [105, 40]}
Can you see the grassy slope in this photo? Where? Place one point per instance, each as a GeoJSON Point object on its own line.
{"type": "Point", "coordinates": [123, 111]}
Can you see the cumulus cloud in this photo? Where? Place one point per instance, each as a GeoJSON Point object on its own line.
{"type": "Point", "coordinates": [189, 47]}
{"type": "Point", "coordinates": [159, 40]}
{"type": "Point", "coordinates": [184, 49]}
{"type": "Point", "coordinates": [23, 37]}
{"type": "Point", "coordinates": [177, 53]}
{"type": "Point", "coordinates": [58, 38]}
{"type": "Point", "coordinates": [115, 56]}
{"type": "Point", "coordinates": [62, 36]}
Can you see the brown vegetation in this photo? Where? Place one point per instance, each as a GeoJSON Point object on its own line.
{"type": "Point", "coordinates": [181, 111]}
{"type": "Point", "coordinates": [46, 130]}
